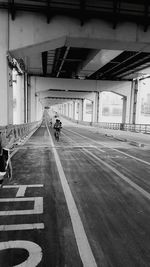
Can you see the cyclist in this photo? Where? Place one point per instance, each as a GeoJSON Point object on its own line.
{"type": "Point", "coordinates": [57, 127]}
{"type": "Point", "coordinates": [5, 163]}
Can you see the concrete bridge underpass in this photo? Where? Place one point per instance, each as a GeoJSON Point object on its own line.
{"type": "Point", "coordinates": [82, 201]}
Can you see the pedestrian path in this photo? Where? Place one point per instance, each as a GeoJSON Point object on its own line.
{"type": "Point", "coordinates": [134, 138]}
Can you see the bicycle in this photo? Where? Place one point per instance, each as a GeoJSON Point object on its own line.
{"type": "Point", "coordinates": [57, 133]}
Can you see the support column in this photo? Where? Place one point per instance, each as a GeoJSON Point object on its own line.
{"type": "Point", "coordinates": [31, 101]}
{"type": "Point", "coordinates": [96, 108]}
{"type": "Point", "coordinates": [84, 109]}
{"type": "Point", "coordinates": [68, 104]}
{"type": "Point", "coordinates": [6, 94]}
{"type": "Point", "coordinates": [73, 111]}
{"type": "Point", "coordinates": [18, 98]}
{"type": "Point", "coordinates": [124, 99]}
{"type": "Point", "coordinates": [25, 99]}
{"type": "Point", "coordinates": [133, 103]}
{"type": "Point", "coordinates": [93, 113]}
{"type": "Point", "coordinates": [81, 110]}
{"type": "Point", "coordinates": [100, 107]}
{"type": "Point", "coordinates": [39, 108]}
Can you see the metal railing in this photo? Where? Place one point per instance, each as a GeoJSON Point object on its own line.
{"type": "Point", "coordinates": [139, 128]}
{"type": "Point", "coordinates": [12, 134]}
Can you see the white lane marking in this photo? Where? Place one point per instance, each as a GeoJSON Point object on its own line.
{"type": "Point", "coordinates": [135, 186]}
{"type": "Point", "coordinates": [22, 188]}
{"type": "Point", "coordinates": [21, 191]}
{"type": "Point", "coordinates": [27, 185]}
{"type": "Point", "coordinates": [84, 248]}
{"type": "Point", "coordinates": [83, 146]}
{"type": "Point", "coordinates": [143, 161]}
{"type": "Point", "coordinates": [17, 227]}
{"type": "Point", "coordinates": [37, 209]}
{"type": "Point", "coordinates": [34, 251]}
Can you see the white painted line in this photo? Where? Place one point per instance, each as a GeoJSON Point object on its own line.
{"type": "Point", "coordinates": [84, 248]}
{"type": "Point", "coordinates": [80, 146]}
{"type": "Point", "coordinates": [135, 186]}
{"type": "Point", "coordinates": [27, 185]}
{"type": "Point", "coordinates": [34, 251]}
{"type": "Point", "coordinates": [143, 161]}
{"type": "Point", "coordinates": [17, 227]}
{"type": "Point", "coordinates": [21, 191]}
{"type": "Point", "coordinates": [22, 188]}
{"type": "Point", "coordinates": [38, 206]}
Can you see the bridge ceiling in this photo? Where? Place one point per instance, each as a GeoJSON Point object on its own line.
{"type": "Point", "coordinates": [80, 62]}
{"type": "Point", "coordinates": [112, 10]}
{"type": "Point", "coordinates": [73, 62]}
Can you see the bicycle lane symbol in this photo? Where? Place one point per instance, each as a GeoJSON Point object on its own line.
{"type": "Point", "coordinates": [34, 250]}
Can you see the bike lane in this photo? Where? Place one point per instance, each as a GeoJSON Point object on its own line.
{"type": "Point", "coordinates": [35, 226]}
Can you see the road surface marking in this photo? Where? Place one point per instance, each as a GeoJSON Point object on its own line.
{"type": "Point", "coordinates": [37, 209]}
{"type": "Point", "coordinates": [143, 161]}
{"type": "Point", "coordinates": [22, 188]}
{"type": "Point", "coordinates": [34, 251]}
{"type": "Point", "coordinates": [82, 146]}
{"type": "Point", "coordinates": [17, 227]}
{"type": "Point", "coordinates": [84, 248]}
{"type": "Point", "coordinates": [135, 186]}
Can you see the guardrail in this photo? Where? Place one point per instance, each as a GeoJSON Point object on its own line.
{"type": "Point", "coordinates": [12, 134]}
{"type": "Point", "coordinates": [138, 128]}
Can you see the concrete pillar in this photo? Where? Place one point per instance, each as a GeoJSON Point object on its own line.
{"type": "Point", "coordinates": [31, 101]}
{"type": "Point", "coordinates": [6, 91]}
{"type": "Point", "coordinates": [65, 109]}
{"type": "Point", "coordinates": [39, 109]}
{"type": "Point", "coordinates": [93, 113]}
{"type": "Point", "coordinates": [68, 106]}
{"type": "Point", "coordinates": [100, 107]}
{"type": "Point", "coordinates": [95, 117]}
{"type": "Point", "coordinates": [25, 99]}
{"type": "Point", "coordinates": [10, 96]}
{"type": "Point", "coordinates": [133, 102]}
{"type": "Point", "coordinates": [18, 98]}
{"type": "Point", "coordinates": [77, 110]}
{"type": "Point", "coordinates": [84, 109]}
{"type": "Point", "coordinates": [70, 110]}
{"type": "Point", "coordinates": [81, 110]}
{"type": "Point", "coordinates": [124, 99]}
{"type": "Point", "coordinates": [73, 110]}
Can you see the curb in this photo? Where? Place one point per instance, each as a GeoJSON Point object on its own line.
{"type": "Point", "coordinates": [120, 139]}
{"type": "Point", "coordinates": [133, 143]}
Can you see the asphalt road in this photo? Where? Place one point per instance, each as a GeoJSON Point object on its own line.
{"type": "Point", "coordinates": [82, 201]}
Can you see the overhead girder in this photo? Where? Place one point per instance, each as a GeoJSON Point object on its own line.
{"type": "Point", "coordinates": [97, 60]}
{"type": "Point", "coordinates": [44, 62]}
{"type": "Point", "coordinates": [130, 66]}
{"type": "Point", "coordinates": [65, 94]}
{"type": "Point", "coordinates": [63, 60]}
{"type": "Point", "coordinates": [115, 11]}
{"type": "Point", "coordinates": [52, 102]}
{"type": "Point", "coordinates": [12, 9]}
{"type": "Point", "coordinates": [83, 86]}
{"type": "Point", "coordinates": [128, 61]}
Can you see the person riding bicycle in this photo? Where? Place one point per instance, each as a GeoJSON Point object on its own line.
{"type": "Point", "coordinates": [57, 126]}
{"type": "Point", "coordinates": [5, 163]}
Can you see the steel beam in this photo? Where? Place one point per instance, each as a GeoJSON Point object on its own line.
{"type": "Point", "coordinates": [44, 63]}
